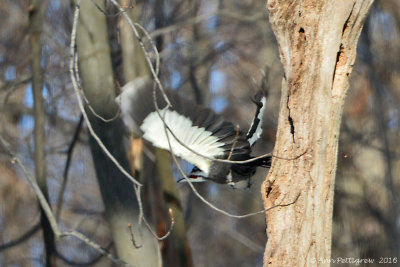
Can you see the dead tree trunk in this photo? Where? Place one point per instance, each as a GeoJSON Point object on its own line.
{"type": "Point", "coordinates": [317, 42]}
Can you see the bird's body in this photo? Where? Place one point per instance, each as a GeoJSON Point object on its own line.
{"type": "Point", "coordinates": [195, 133]}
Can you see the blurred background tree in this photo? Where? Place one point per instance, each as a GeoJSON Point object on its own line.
{"type": "Point", "coordinates": [215, 53]}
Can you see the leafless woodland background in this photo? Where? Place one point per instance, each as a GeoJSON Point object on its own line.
{"type": "Point", "coordinates": [215, 52]}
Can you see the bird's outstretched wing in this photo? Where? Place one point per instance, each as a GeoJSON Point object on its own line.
{"type": "Point", "coordinates": [197, 127]}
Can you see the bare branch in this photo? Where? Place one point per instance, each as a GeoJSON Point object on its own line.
{"type": "Point", "coordinates": [32, 182]}
{"type": "Point", "coordinates": [171, 215]}
{"type": "Point", "coordinates": [82, 93]}
{"type": "Point", "coordinates": [67, 165]}
{"type": "Point", "coordinates": [47, 209]}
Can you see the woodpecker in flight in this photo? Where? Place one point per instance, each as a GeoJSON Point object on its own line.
{"type": "Point", "coordinates": [198, 128]}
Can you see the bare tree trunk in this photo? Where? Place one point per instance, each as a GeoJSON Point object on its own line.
{"type": "Point", "coordinates": [176, 250]}
{"type": "Point", "coordinates": [36, 11]}
{"type": "Point", "coordinates": [317, 42]}
{"type": "Point", "coordinates": [117, 191]}
{"type": "Point", "coordinates": [160, 186]}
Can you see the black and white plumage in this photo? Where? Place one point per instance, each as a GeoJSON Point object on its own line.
{"type": "Point", "coordinates": [199, 128]}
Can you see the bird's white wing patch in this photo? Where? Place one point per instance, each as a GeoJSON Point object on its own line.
{"type": "Point", "coordinates": [197, 138]}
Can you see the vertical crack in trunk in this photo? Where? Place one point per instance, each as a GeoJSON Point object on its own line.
{"type": "Point", "coordinates": [290, 119]}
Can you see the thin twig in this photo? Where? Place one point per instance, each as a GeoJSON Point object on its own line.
{"type": "Point", "coordinates": [133, 237]}
{"type": "Point", "coordinates": [82, 93]}
{"type": "Point", "coordinates": [139, 199]}
{"type": "Point", "coordinates": [97, 114]}
{"type": "Point", "coordinates": [153, 46]}
{"type": "Point", "coordinates": [22, 238]}
{"type": "Point", "coordinates": [234, 143]}
{"type": "Point", "coordinates": [94, 245]}
{"type": "Point", "coordinates": [112, 15]}
{"type": "Point", "coordinates": [171, 215]}
{"type": "Point", "coordinates": [221, 210]}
